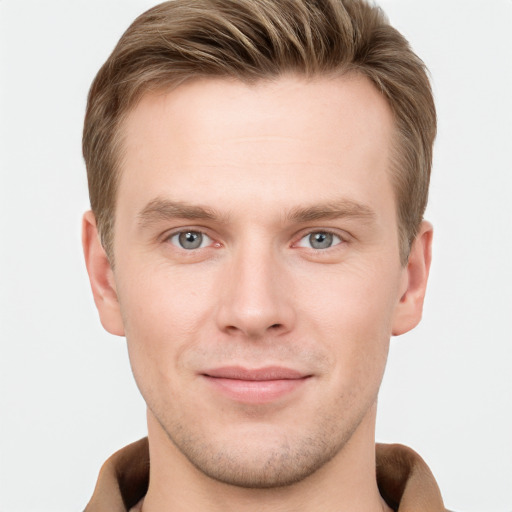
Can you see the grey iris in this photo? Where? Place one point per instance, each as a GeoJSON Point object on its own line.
{"type": "Point", "coordinates": [190, 239]}
{"type": "Point", "coordinates": [320, 240]}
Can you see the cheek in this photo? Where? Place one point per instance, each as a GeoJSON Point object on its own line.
{"type": "Point", "coordinates": [163, 313]}
{"type": "Point", "coordinates": [164, 297]}
{"type": "Point", "coordinates": [352, 301]}
{"type": "Point", "coordinates": [350, 311]}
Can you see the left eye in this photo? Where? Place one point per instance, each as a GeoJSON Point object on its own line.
{"type": "Point", "coordinates": [319, 240]}
{"type": "Point", "coordinates": [190, 240]}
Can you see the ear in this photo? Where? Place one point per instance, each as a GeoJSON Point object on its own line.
{"type": "Point", "coordinates": [101, 277]}
{"type": "Point", "coordinates": [415, 276]}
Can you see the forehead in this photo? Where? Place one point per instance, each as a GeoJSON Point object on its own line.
{"type": "Point", "coordinates": [212, 136]}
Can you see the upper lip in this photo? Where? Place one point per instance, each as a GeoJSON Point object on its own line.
{"type": "Point", "coordinates": [256, 374]}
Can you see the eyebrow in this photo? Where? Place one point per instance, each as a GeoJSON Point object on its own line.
{"type": "Point", "coordinates": [160, 209]}
{"type": "Point", "coordinates": [344, 208]}
{"type": "Point", "coordinates": [163, 209]}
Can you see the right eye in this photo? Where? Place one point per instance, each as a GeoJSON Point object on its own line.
{"type": "Point", "coordinates": [190, 240]}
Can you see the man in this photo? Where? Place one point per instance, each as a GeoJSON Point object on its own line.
{"type": "Point", "coordinates": [258, 173]}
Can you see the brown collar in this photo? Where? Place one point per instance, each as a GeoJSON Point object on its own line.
{"type": "Point", "coordinates": [404, 480]}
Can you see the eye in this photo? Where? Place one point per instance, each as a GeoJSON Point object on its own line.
{"type": "Point", "coordinates": [319, 240]}
{"type": "Point", "coordinates": [190, 240]}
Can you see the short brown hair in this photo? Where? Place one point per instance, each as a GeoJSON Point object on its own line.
{"type": "Point", "coordinates": [252, 40]}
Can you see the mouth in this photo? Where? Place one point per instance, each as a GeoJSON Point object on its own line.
{"type": "Point", "coordinates": [255, 386]}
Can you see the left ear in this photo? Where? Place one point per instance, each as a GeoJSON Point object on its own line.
{"type": "Point", "coordinates": [409, 310]}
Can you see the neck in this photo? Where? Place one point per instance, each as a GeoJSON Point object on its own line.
{"type": "Point", "coordinates": [346, 483]}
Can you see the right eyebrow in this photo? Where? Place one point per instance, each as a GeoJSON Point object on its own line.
{"type": "Point", "coordinates": [163, 209]}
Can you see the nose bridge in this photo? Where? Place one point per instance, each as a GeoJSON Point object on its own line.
{"type": "Point", "coordinates": [254, 299]}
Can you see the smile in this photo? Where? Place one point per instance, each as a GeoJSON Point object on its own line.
{"type": "Point", "coordinates": [258, 386]}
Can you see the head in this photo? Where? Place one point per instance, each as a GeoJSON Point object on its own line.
{"type": "Point", "coordinates": [252, 41]}
{"type": "Point", "coordinates": [258, 173]}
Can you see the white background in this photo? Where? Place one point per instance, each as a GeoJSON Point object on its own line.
{"type": "Point", "coordinates": [67, 397]}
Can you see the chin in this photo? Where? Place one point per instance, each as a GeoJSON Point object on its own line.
{"type": "Point", "coordinates": [257, 467]}
{"type": "Point", "coordinates": [260, 456]}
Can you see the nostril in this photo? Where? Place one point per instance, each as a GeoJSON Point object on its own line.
{"type": "Point", "coordinates": [275, 326]}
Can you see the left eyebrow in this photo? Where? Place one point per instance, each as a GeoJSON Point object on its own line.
{"type": "Point", "coordinates": [345, 208]}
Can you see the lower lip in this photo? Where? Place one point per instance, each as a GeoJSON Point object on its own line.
{"type": "Point", "coordinates": [255, 391]}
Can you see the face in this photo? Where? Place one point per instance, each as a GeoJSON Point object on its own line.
{"type": "Point", "coordinates": [257, 277]}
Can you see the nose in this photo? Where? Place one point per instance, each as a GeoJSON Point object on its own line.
{"type": "Point", "coordinates": [255, 295]}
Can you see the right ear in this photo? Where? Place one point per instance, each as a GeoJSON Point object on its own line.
{"type": "Point", "coordinates": [101, 277]}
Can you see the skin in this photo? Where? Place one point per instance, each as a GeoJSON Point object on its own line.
{"type": "Point", "coordinates": [257, 170]}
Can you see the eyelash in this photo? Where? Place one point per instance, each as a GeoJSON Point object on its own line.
{"type": "Point", "coordinates": [335, 235]}
{"type": "Point", "coordinates": [169, 238]}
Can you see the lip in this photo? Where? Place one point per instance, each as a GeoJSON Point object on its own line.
{"type": "Point", "coordinates": [255, 386]}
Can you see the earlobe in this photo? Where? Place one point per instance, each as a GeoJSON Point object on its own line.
{"type": "Point", "coordinates": [101, 277]}
{"type": "Point", "coordinates": [409, 310]}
